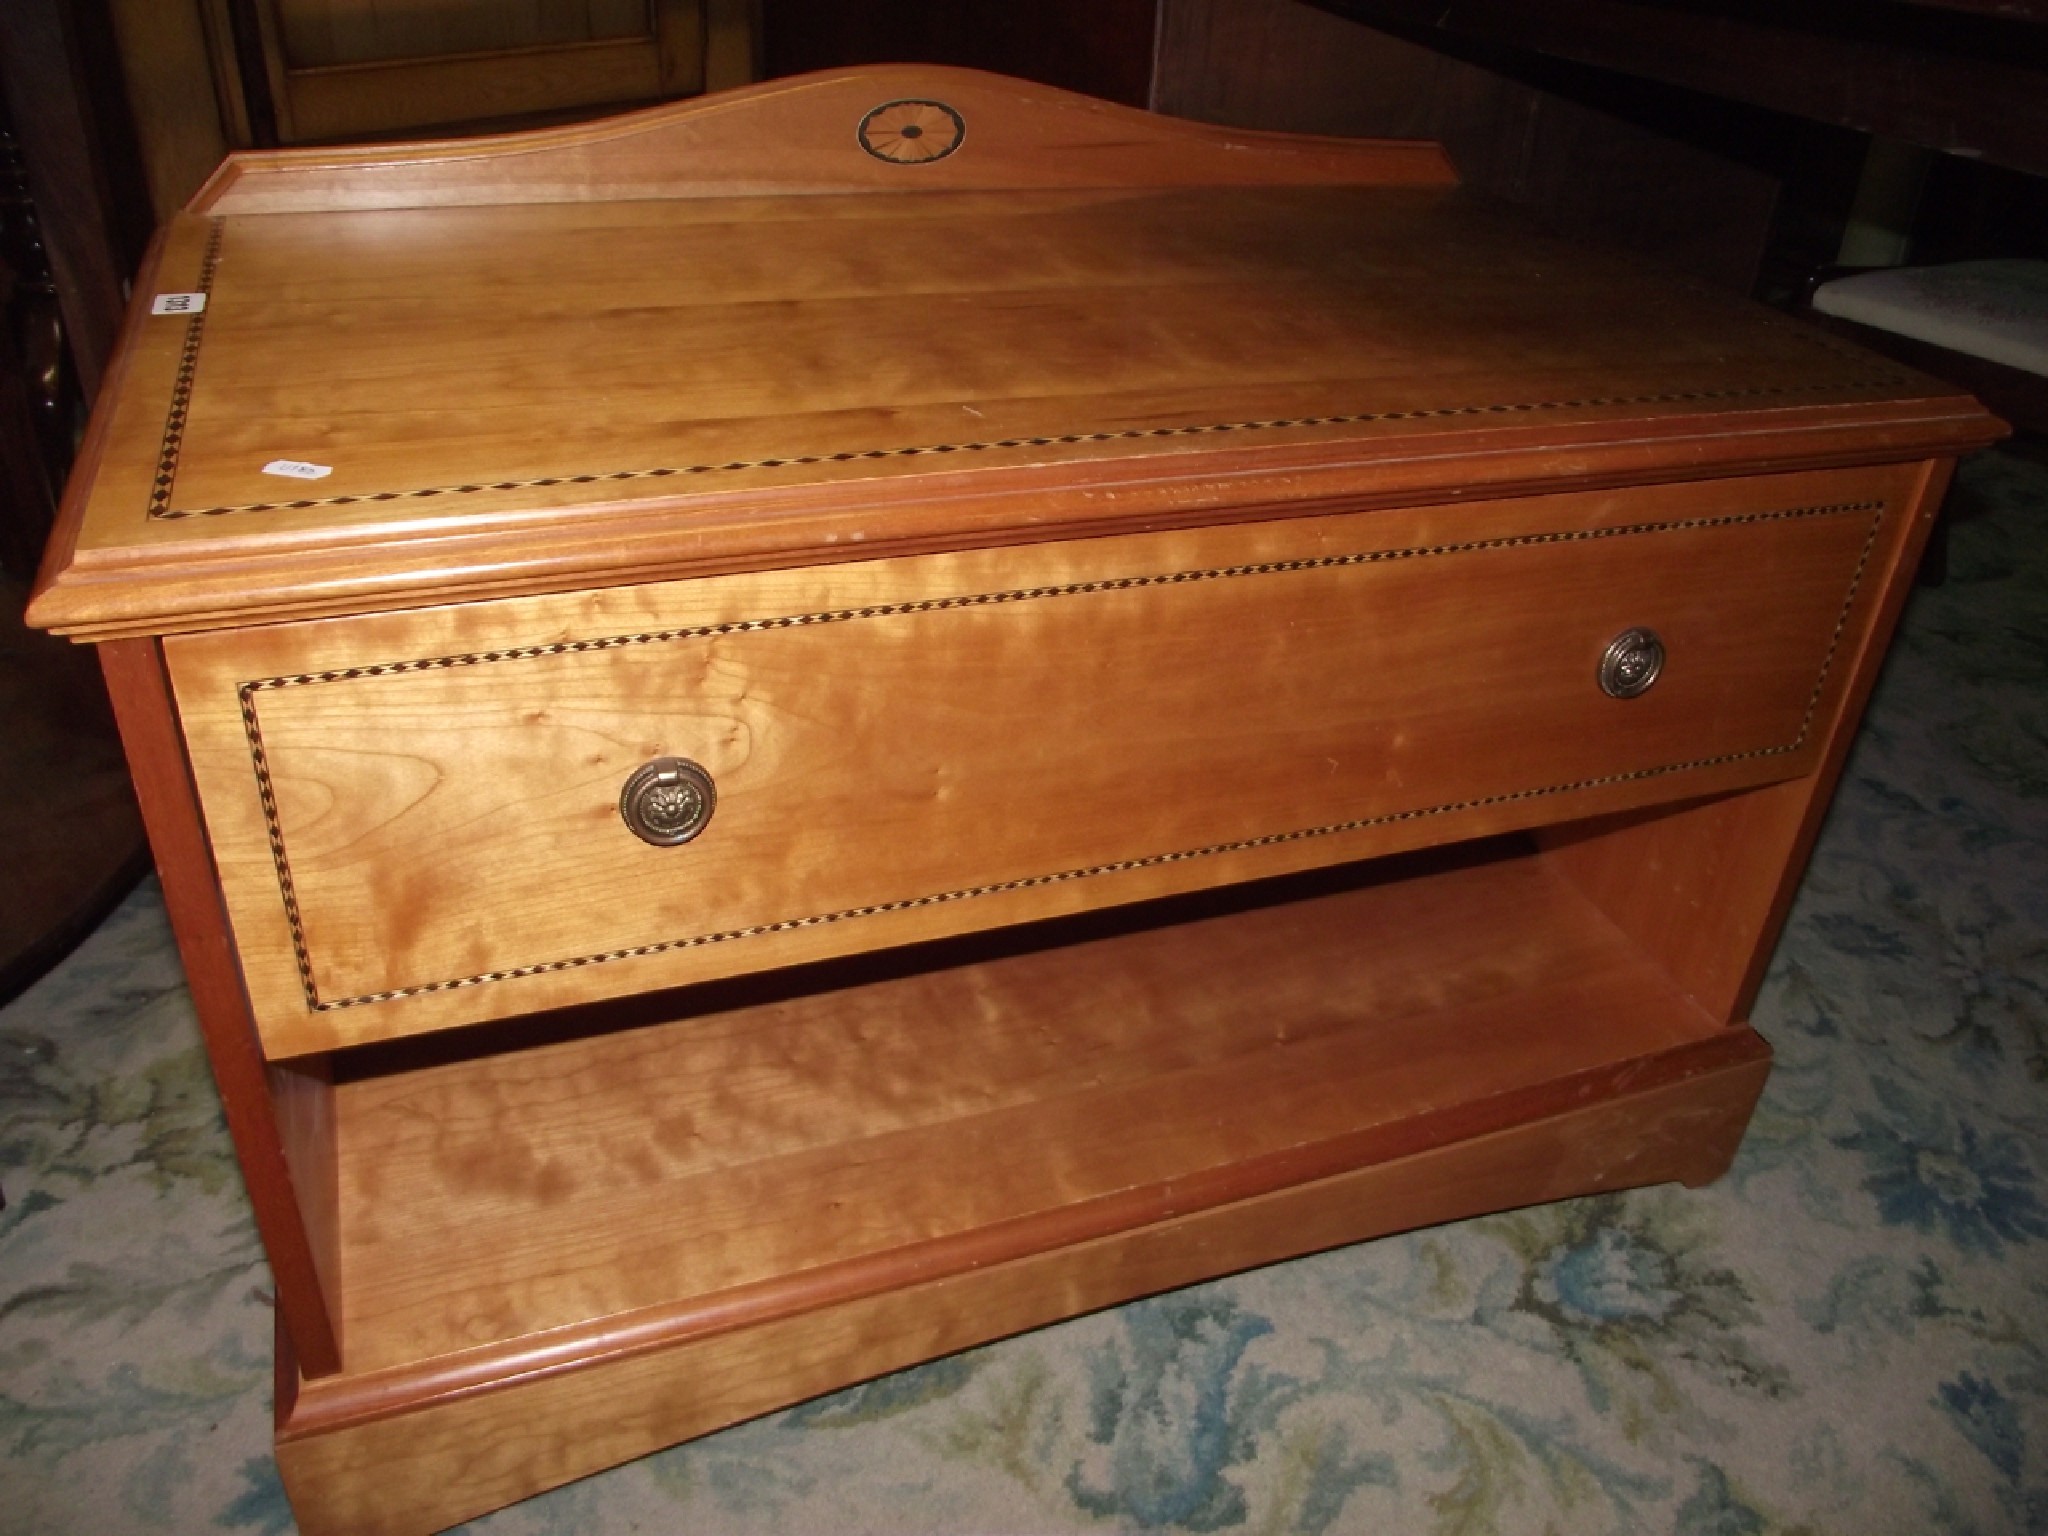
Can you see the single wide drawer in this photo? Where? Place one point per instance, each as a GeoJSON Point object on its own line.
{"type": "Point", "coordinates": [418, 816]}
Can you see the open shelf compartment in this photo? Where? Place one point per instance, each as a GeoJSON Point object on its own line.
{"type": "Point", "coordinates": [645, 1186]}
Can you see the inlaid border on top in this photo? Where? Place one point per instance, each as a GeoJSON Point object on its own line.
{"type": "Point", "coordinates": [161, 510]}
{"type": "Point", "coordinates": [188, 371]}
{"type": "Point", "coordinates": [248, 692]}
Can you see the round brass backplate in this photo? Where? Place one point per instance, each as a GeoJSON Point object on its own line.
{"type": "Point", "coordinates": [1634, 659]}
{"type": "Point", "coordinates": [668, 801]}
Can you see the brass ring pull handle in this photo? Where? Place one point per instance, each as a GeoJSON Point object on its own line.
{"type": "Point", "coordinates": [668, 801]}
{"type": "Point", "coordinates": [1634, 659]}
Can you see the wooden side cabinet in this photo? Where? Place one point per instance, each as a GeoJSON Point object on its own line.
{"type": "Point", "coordinates": [791, 733]}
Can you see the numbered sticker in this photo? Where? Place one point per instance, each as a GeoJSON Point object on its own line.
{"type": "Point", "coordinates": [298, 469]}
{"type": "Point", "coordinates": [178, 304]}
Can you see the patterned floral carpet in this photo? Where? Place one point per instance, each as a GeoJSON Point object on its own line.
{"type": "Point", "coordinates": [1847, 1334]}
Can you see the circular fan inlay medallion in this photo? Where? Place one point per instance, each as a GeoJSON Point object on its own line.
{"type": "Point", "coordinates": [912, 132]}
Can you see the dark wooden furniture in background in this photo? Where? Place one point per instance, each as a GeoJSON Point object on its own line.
{"type": "Point", "coordinates": [1571, 166]}
{"type": "Point", "coordinates": [207, 76]}
{"type": "Point", "coordinates": [70, 230]}
{"type": "Point", "coordinates": [1940, 105]}
{"type": "Point", "coordinates": [70, 836]}
{"type": "Point", "coordinates": [1966, 77]}
{"type": "Point", "coordinates": [63, 91]}
{"type": "Point", "coordinates": [320, 71]}
{"type": "Point", "coordinates": [1102, 48]}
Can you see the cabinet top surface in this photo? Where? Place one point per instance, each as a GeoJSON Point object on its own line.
{"type": "Point", "coordinates": [513, 387]}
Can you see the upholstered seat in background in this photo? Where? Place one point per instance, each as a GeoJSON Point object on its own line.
{"type": "Point", "coordinates": [1980, 324]}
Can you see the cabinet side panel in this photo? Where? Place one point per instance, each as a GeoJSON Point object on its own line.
{"type": "Point", "coordinates": [280, 1118]}
{"type": "Point", "coordinates": [1705, 888]}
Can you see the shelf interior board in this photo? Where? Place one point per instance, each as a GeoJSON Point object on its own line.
{"type": "Point", "coordinates": [491, 1199]}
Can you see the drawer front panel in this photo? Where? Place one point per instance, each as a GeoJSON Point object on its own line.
{"type": "Point", "coordinates": [417, 816]}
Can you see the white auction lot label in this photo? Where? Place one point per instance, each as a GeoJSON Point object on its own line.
{"type": "Point", "coordinates": [178, 304]}
{"type": "Point", "coordinates": [298, 469]}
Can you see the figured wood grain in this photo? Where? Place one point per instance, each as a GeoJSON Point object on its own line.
{"type": "Point", "coordinates": [1156, 326]}
{"type": "Point", "coordinates": [1106, 510]}
{"type": "Point", "coordinates": [484, 1201]}
{"type": "Point", "coordinates": [747, 1156]}
{"type": "Point", "coordinates": [401, 1472]}
{"type": "Point", "coordinates": [1705, 888]}
{"type": "Point", "coordinates": [416, 817]}
{"type": "Point", "coordinates": [545, 395]}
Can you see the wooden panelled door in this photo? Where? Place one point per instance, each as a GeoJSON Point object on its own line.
{"type": "Point", "coordinates": [340, 69]}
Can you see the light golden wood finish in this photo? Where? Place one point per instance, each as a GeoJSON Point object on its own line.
{"type": "Point", "coordinates": [371, 1476]}
{"type": "Point", "coordinates": [416, 816]}
{"type": "Point", "coordinates": [774, 1166]}
{"type": "Point", "coordinates": [1704, 889]}
{"type": "Point", "coordinates": [794, 136]}
{"type": "Point", "coordinates": [302, 1094]}
{"type": "Point", "coordinates": [720, 383]}
{"type": "Point", "coordinates": [1106, 510]}
{"type": "Point", "coordinates": [720, 1167]}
